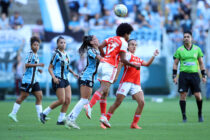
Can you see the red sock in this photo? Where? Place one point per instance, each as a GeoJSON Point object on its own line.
{"type": "Point", "coordinates": [136, 118]}
{"type": "Point", "coordinates": [109, 115]}
{"type": "Point", "coordinates": [103, 106]}
{"type": "Point", "coordinates": [95, 98]}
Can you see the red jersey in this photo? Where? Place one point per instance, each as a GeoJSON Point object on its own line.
{"type": "Point", "coordinates": [131, 74]}
{"type": "Point", "coordinates": [114, 45]}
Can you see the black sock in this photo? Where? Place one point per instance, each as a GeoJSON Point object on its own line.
{"type": "Point", "coordinates": [199, 104]}
{"type": "Point", "coordinates": [183, 108]}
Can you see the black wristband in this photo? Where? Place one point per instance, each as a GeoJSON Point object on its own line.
{"type": "Point", "coordinates": [174, 73]}
{"type": "Point", "coordinates": [203, 72]}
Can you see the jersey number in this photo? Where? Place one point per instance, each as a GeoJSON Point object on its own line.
{"type": "Point", "coordinates": [111, 47]}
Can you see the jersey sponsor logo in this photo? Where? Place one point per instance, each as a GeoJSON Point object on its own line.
{"type": "Point", "coordinates": [91, 84]}
{"type": "Point", "coordinates": [195, 48]}
{"type": "Point", "coordinates": [189, 63]}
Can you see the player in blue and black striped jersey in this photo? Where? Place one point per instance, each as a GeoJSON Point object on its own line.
{"type": "Point", "coordinates": [29, 81]}
{"type": "Point", "coordinates": [59, 69]}
{"type": "Point", "coordinates": [86, 80]}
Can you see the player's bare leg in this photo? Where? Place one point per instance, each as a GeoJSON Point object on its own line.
{"type": "Point", "coordinates": [60, 93]}
{"type": "Point", "coordinates": [38, 96]}
{"type": "Point", "coordinates": [61, 117]}
{"type": "Point", "coordinates": [16, 106]}
{"type": "Point", "coordinates": [139, 97]}
{"type": "Point", "coordinates": [104, 88]}
{"type": "Point", "coordinates": [85, 92]}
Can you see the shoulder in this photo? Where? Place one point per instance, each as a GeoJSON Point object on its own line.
{"type": "Point", "coordinates": [181, 48]}
{"type": "Point", "coordinates": [128, 55]}
{"type": "Point", "coordinates": [123, 41]}
{"type": "Point", "coordinates": [195, 47]}
{"type": "Point", "coordinates": [30, 53]}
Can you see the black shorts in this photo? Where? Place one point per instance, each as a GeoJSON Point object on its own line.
{"type": "Point", "coordinates": [87, 83]}
{"type": "Point", "coordinates": [62, 84]}
{"type": "Point", "coordinates": [27, 88]}
{"type": "Point", "coordinates": [189, 80]}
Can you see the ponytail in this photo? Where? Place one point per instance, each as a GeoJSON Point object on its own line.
{"type": "Point", "coordinates": [86, 42]}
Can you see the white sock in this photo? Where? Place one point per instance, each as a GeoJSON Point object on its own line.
{"type": "Point", "coordinates": [61, 116]}
{"type": "Point", "coordinates": [15, 109]}
{"type": "Point", "coordinates": [38, 110]}
{"type": "Point", "coordinates": [77, 109]}
{"type": "Point", "coordinates": [47, 110]}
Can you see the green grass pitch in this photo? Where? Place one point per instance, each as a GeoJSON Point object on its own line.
{"type": "Point", "coordinates": [160, 121]}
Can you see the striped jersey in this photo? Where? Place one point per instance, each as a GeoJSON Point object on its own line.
{"type": "Point", "coordinates": [31, 58]}
{"type": "Point", "coordinates": [60, 62]}
{"type": "Point", "coordinates": [92, 64]}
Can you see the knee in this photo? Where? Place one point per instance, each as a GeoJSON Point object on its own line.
{"type": "Point", "coordinates": [61, 101]}
{"type": "Point", "coordinates": [39, 98]}
{"type": "Point", "coordinates": [21, 98]}
{"type": "Point", "coordinates": [141, 103]}
{"type": "Point", "coordinates": [67, 101]}
{"type": "Point", "coordinates": [182, 97]}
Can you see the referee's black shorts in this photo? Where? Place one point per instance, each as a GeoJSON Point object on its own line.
{"type": "Point", "coordinates": [189, 80]}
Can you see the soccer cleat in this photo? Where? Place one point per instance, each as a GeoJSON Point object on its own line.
{"type": "Point", "coordinates": [135, 126]}
{"type": "Point", "coordinates": [184, 120]}
{"type": "Point", "coordinates": [13, 117]}
{"type": "Point", "coordinates": [43, 118]}
{"type": "Point", "coordinates": [60, 123]}
{"type": "Point", "coordinates": [104, 120]}
{"type": "Point", "coordinates": [71, 123]}
{"type": "Point", "coordinates": [88, 110]}
{"type": "Point", "coordinates": [103, 126]}
{"type": "Point", "coordinates": [200, 119]}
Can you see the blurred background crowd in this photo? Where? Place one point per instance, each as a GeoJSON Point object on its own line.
{"type": "Point", "coordinates": [157, 23]}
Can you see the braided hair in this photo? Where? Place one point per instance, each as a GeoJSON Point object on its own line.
{"type": "Point", "coordinates": [86, 42]}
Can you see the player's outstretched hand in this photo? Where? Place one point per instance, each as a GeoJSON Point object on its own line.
{"type": "Point", "coordinates": [156, 52]}
{"type": "Point", "coordinates": [41, 65]}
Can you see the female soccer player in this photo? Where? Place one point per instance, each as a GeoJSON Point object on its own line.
{"type": "Point", "coordinates": [86, 80]}
{"type": "Point", "coordinates": [29, 81]}
{"type": "Point", "coordinates": [59, 69]}
{"type": "Point", "coordinates": [130, 83]}
{"type": "Point", "coordinates": [116, 48]}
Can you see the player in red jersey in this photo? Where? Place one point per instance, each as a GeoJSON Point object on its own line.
{"type": "Point", "coordinates": [130, 82]}
{"type": "Point", "coordinates": [116, 48]}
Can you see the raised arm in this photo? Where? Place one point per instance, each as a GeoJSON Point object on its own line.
{"type": "Point", "coordinates": [151, 59]}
